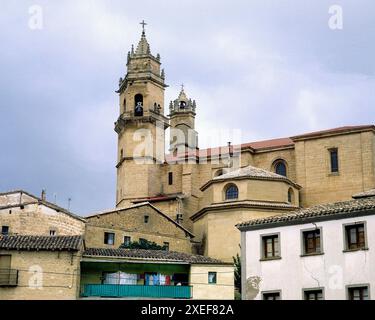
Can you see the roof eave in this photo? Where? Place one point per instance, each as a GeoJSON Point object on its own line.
{"type": "Point", "coordinates": [305, 220]}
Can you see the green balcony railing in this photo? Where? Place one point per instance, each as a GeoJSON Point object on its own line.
{"type": "Point", "coordinates": [119, 290]}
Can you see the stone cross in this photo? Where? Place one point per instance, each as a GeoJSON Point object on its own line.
{"type": "Point", "coordinates": [143, 23]}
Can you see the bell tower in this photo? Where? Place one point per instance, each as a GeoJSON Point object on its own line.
{"type": "Point", "coordinates": [183, 136]}
{"type": "Point", "coordinates": [141, 124]}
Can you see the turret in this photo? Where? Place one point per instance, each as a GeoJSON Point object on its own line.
{"type": "Point", "coordinates": [183, 136]}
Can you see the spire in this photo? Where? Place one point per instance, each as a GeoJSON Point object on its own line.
{"type": "Point", "coordinates": [143, 46]}
{"type": "Point", "coordinates": [182, 96]}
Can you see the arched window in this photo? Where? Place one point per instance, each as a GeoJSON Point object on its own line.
{"type": "Point", "coordinates": [290, 195]}
{"type": "Point", "coordinates": [231, 192]}
{"type": "Point", "coordinates": [138, 105]}
{"type": "Point", "coordinates": [280, 167]}
{"type": "Point", "coordinates": [124, 104]}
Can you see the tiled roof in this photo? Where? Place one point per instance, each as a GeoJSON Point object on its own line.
{"type": "Point", "coordinates": [365, 194]}
{"type": "Point", "coordinates": [345, 129]}
{"type": "Point", "coordinates": [251, 172]}
{"type": "Point", "coordinates": [324, 211]}
{"type": "Point", "coordinates": [158, 198]}
{"type": "Point", "coordinates": [266, 144]}
{"type": "Point", "coordinates": [41, 243]}
{"type": "Point", "coordinates": [272, 143]}
{"type": "Point", "coordinates": [268, 205]}
{"type": "Point", "coordinates": [152, 255]}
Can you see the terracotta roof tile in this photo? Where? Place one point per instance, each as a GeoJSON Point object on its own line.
{"type": "Point", "coordinates": [265, 144]}
{"type": "Point", "coordinates": [43, 243]}
{"type": "Point", "coordinates": [158, 255]}
{"type": "Point", "coordinates": [365, 194]}
{"type": "Point", "coordinates": [333, 131]}
{"type": "Point", "coordinates": [301, 216]}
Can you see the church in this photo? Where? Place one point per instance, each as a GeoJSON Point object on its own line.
{"type": "Point", "coordinates": [202, 206]}
{"type": "Point", "coordinates": [206, 192]}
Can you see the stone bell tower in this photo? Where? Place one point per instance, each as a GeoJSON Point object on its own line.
{"type": "Point", "coordinates": [141, 125]}
{"type": "Point", "coordinates": [183, 136]}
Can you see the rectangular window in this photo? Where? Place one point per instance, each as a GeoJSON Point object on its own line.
{"type": "Point", "coordinates": [109, 238]}
{"type": "Point", "coordinates": [166, 246]}
{"type": "Point", "coordinates": [271, 295]}
{"type": "Point", "coordinates": [146, 219]}
{"type": "Point", "coordinates": [358, 293]}
{"type": "Point", "coordinates": [5, 230]}
{"type": "Point", "coordinates": [127, 240]}
{"type": "Point", "coordinates": [170, 178]}
{"type": "Point", "coordinates": [334, 159]}
{"type": "Point", "coordinates": [52, 232]}
{"type": "Point", "coordinates": [212, 277]}
{"type": "Point", "coordinates": [311, 241]}
{"type": "Point", "coordinates": [313, 294]}
{"type": "Point", "coordinates": [355, 236]}
{"type": "Point", "coordinates": [271, 246]}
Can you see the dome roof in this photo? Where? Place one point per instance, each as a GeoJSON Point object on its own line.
{"type": "Point", "coordinates": [251, 172]}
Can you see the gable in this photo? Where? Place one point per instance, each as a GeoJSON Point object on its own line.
{"type": "Point", "coordinates": [38, 219]}
{"type": "Point", "coordinates": [133, 219]}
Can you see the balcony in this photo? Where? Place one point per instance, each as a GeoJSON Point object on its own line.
{"type": "Point", "coordinates": [140, 291]}
{"type": "Point", "coordinates": [8, 277]}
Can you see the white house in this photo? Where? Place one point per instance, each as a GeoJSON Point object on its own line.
{"type": "Point", "coordinates": [322, 252]}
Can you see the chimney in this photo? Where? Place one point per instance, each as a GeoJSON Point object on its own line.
{"type": "Point", "coordinates": [43, 195]}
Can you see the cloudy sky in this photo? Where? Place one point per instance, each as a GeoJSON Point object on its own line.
{"type": "Point", "coordinates": [267, 68]}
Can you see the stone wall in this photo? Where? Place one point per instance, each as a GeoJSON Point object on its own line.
{"type": "Point", "coordinates": [356, 167]}
{"type": "Point", "coordinates": [131, 222]}
{"type": "Point", "coordinates": [222, 290]}
{"type": "Point", "coordinates": [38, 219]}
{"type": "Point", "coordinates": [43, 275]}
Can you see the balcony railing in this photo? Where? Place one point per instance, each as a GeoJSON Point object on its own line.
{"type": "Point", "coordinates": [122, 290]}
{"type": "Point", "coordinates": [8, 277]}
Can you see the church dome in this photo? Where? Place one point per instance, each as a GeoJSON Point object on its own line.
{"type": "Point", "coordinates": [251, 172]}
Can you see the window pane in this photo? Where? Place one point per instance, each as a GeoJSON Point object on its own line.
{"type": "Point", "coordinates": [334, 161]}
{"type": "Point", "coordinates": [314, 295]}
{"type": "Point", "coordinates": [276, 246]}
{"type": "Point", "coordinates": [271, 296]}
{"type": "Point", "coordinates": [4, 230]}
{"type": "Point", "coordinates": [359, 293]}
{"type": "Point", "coordinates": [280, 168]}
{"type": "Point", "coordinates": [109, 238]}
{"type": "Point", "coordinates": [365, 293]}
{"type": "Point", "coordinates": [212, 277]}
{"type": "Point", "coordinates": [231, 193]}
{"type": "Point", "coordinates": [361, 237]}
{"type": "Point", "coordinates": [269, 250]}
{"type": "Point", "coordinates": [312, 241]}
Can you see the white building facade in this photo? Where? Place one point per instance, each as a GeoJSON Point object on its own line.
{"type": "Point", "coordinates": [324, 252]}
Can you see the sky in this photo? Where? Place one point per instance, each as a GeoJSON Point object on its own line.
{"type": "Point", "coordinates": [267, 69]}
